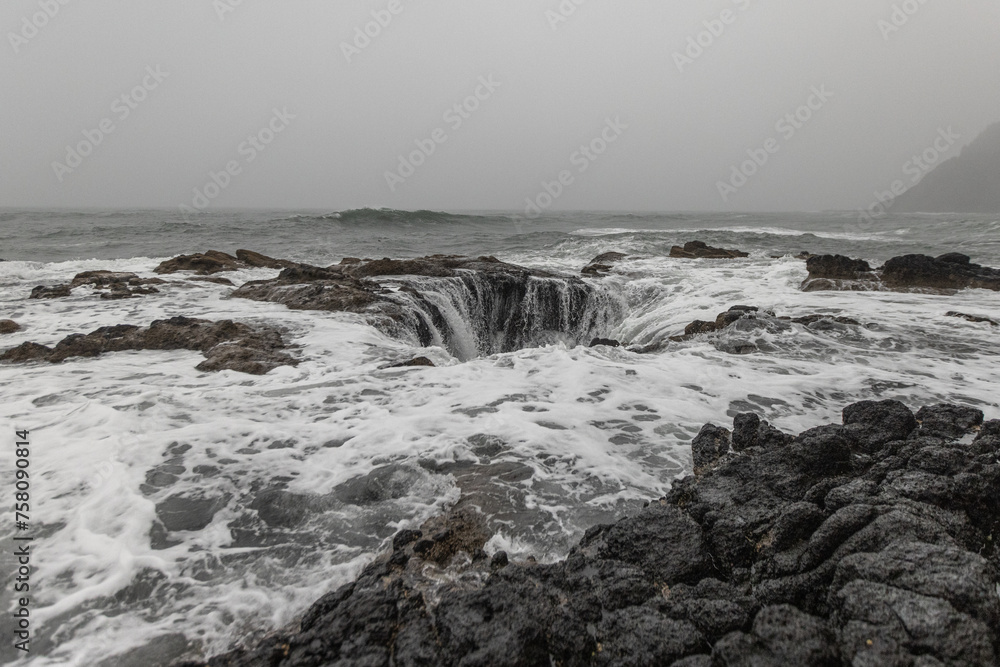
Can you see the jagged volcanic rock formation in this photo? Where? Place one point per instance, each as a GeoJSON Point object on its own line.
{"type": "Point", "coordinates": [870, 542]}
{"type": "Point", "coordinates": [471, 306]}
{"type": "Point", "coordinates": [225, 344]}
{"type": "Point", "coordinates": [908, 273]}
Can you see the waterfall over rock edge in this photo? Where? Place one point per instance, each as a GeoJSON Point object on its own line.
{"type": "Point", "coordinates": [471, 307]}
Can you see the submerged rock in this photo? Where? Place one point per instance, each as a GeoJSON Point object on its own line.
{"type": "Point", "coordinates": [972, 318]}
{"type": "Point", "coordinates": [866, 542]}
{"type": "Point", "coordinates": [908, 273]}
{"type": "Point", "coordinates": [701, 250]}
{"type": "Point", "coordinates": [415, 362]}
{"type": "Point", "coordinates": [747, 319]}
{"type": "Point", "coordinates": [225, 344]}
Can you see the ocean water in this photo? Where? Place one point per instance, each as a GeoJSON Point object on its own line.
{"type": "Point", "coordinates": [584, 435]}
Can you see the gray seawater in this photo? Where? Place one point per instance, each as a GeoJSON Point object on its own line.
{"type": "Point", "coordinates": [60, 235]}
{"type": "Point", "coordinates": [587, 434]}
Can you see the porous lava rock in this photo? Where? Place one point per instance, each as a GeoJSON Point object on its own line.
{"type": "Point", "coordinates": [868, 542]}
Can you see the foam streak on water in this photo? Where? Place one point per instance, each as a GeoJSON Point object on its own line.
{"type": "Point", "coordinates": [589, 433]}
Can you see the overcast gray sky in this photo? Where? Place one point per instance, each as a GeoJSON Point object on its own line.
{"type": "Point", "coordinates": [224, 68]}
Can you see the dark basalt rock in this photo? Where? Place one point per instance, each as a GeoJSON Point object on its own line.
{"type": "Point", "coordinates": [972, 318]}
{"type": "Point", "coordinates": [749, 318]}
{"type": "Point", "coordinates": [711, 443]}
{"type": "Point", "coordinates": [119, 285]}
{"type": "Point", "coordinates": [216, 280]}
{"type": "Point", "coordinates": [204, 264]}
{"type": "Point", "coordinates": [50, 292]}
{"type": "Point", "coordinates": [225, 344]}
{"type": "Point", "coordinates": [602, 264]}
{"type": "Point", "coordinates": [607, 342]}
{"type": "Point", "coordinates": [112, 280]}
{"type": "Point", "coordinates": [908, 273]}
{"type": "Point", "coordinates": [9, 327]}
{"type": "Point", "coordinates": [837, 267]}
{"type": "Point", "coordinates": [701, 250]}
{"type": "Point", "coordinates": [948, 421]}
{"type": "Point", "coordinates": [416, 362]}
{"type": "Point", "coordinates": [257, 260]}
{"type": "Point", "coordinates": [947, 272]}
{"type": "Point", "coordinates": [749, 430]}
{"type": "Point", "coordinates": [870, 542]}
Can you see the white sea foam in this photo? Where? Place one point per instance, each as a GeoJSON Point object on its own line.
{"type": "Point", "coordinates": [600, 429]}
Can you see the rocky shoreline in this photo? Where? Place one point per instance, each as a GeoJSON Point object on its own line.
{"type": "Point", "coordinates": [869, 542]}
{"type": "Point", "coordinates": [504, 307]}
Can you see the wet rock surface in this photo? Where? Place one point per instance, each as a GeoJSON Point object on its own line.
{"type": "Point", "coordinates": [869, 542]}
{"type": "Point", "coordinates": [505, 307]}
{"type": "Point", "coordinates": [745, 321]}
{"type": "Point", "coordinates": [603, 263]}
{"type": "Point", "coordinates": [204, 264]}
{"type": "Point", "coordinates": [225, 344]}
{"type": "Point", "coordinates": [701, 250]}
{"type": "Point", "coordinates": [50, 292]}
{"type": "Point", "coordinates": [972, 318]}
{"type": "Point", "coordinates": [110, 285]}
{"type": "Point", "coordinates": [908, 273]}
{"type": "Point", "coordinates": [9, 327]}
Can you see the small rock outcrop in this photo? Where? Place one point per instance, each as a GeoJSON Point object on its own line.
{"type": "Point", "coordinates": [9, 327]}
{"type": "Point", "coordinates": [214, 261]}
{"type": "Point", "coordinates": [750, 318]}
{"type": "Point", "coordinates": [602, 264]}
{"type": "Point", "coordinates": [908, 273]}
{"type": "Point", "coordinates": [203, 264]}
{"type": "Point", "coordinates": [50, 292]}
{"type": "Point", "coordinates": [972, 318]}
{"type": "Point", "coordinates": [701, 250]}
{"type": "Point", "coordinates": [869, 542]}
{"type": "Point", "coordinates": [416, 362]}
{"type": "Point", "coordinates": [110, 285]}
{"type": "Point", "coordinates": [227, 345]}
